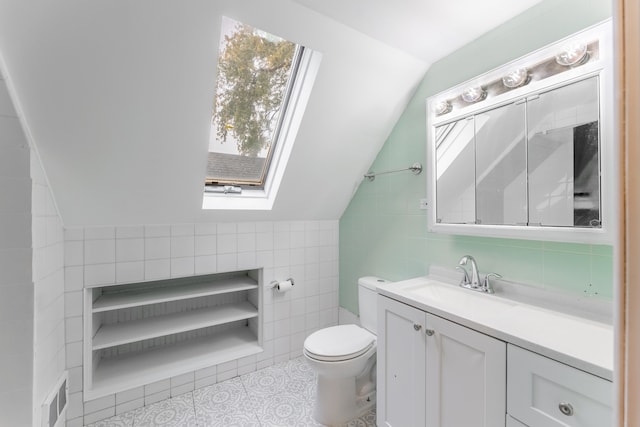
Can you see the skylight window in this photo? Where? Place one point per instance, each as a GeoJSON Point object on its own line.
{"type": "Point", "coordinates": [262, 81]}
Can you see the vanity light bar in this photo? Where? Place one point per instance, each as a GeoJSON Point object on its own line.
{"type": "Point", "coordinates": [571, 56]}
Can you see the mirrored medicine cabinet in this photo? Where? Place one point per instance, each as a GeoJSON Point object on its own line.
{"type": "Point", "coordinates": [527, 150]}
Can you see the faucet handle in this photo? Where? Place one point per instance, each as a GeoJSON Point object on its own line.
{"type": "Point", "coordinates": [487, 283]}
{"type": "Point", "coordinates": [465, 278]}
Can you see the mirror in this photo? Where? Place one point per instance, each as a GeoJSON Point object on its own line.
{"type": "Point", "coordinates": [530, 160]}
{"type": "Point", "coordinates": [490, 172]}
{"type": "Point", "coordinates": [455, 153]}
{"type": "Point", "coordinates": [563, 166]}
{"type": "Point", "coordinates": [500, 165]}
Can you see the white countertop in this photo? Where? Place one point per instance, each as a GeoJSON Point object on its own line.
{"type": "Point", "coordinates": [577, 341]}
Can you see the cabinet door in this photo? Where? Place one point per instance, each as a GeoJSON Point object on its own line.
{"type": "Point", "coordinates": [512, 422]}
{"type": "Point", "coordinates": [401, 364]}
{"type": "Point", "coordinates": [466, 377]}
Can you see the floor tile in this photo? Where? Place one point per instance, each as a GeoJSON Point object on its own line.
{"type": "Point", "coordinates": [284, 410]}
{"type": "Point", "coordinates": [235, 418]}
{"type": "Point", "coordinates": [222, 395]}
{"type": "Point", "coordinates": [123, 420]}
{"type": "Point", "coordinates": [225, 404]}
{"type": "Point", "coordinates": [282, 395]}
{"type": "Point", "coordinates": [367, 420]}
{"type": "Point", "coordinates": [299, 368]}
{"type": "Point", "coordinates": [265, 382]}
{"type": "Point", "coordinates": [301, 387]}
{"type": "Point", "coordinates": [175, 412]}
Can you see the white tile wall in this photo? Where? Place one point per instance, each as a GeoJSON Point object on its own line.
{"type": "Point", "coordinates": [304, 250]}
{"type": "Point", "coordinates": [32, 280]}
{"type": "Point", "coordinates": [51, 358]}
{"type": "Point", "coordinates": [130, 399]}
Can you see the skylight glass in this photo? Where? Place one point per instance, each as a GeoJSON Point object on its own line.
{"type": "Point", "coordinates": [256, 72]}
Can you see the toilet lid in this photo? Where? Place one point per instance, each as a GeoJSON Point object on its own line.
{"type": "Point", "coordinates": [339, 343]}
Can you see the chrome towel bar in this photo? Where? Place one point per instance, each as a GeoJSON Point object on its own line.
{"type": "Point", "coordinates": [415, 168]}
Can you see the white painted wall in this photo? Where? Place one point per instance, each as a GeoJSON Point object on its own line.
{"type": "Point", "coordinates": [304, 250]}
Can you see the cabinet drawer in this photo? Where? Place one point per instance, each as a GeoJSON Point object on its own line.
{"type": "Point", "coordinates": [544, 393]}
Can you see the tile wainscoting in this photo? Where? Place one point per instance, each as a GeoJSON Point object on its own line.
{"type": "Point", "coordinates": [304, 250]}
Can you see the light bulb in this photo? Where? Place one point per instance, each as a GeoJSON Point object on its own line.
{"type": "Point", "coordinates": [516, 78]}
{"type": "Point", "coordinates": [473, 94]}
{"type": "Point", "coordinates": [575, 54]}
{"type": "Point", "coordinates": [441, 107]}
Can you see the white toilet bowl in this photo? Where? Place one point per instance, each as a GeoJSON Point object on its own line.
{"type": "Point", "coordinates": [344, 358]}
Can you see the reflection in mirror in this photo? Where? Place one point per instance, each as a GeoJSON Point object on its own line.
{"type": "Point", "coordinates": [455, 176]}
{"type": "Point", "coordinates": [563, 162]}
{"type": "Point", "coordinates": [501, 181]}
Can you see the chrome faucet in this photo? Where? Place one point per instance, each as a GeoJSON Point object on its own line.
{"type": "Point", "coordinates": [475, 275]}
{"type": "Point", "coordinates": [474, 282]}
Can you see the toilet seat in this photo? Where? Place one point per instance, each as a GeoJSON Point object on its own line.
{"type": "Point", "coordinates": [339, 343]}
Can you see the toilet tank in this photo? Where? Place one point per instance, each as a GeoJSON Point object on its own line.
{"type": "Point", "coordinates": [367, 302]}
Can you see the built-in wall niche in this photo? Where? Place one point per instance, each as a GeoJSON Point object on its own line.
{"type": "Point", "coordinates": [534, 159]}
{"type": "Point", "coordinates": [140, 333]}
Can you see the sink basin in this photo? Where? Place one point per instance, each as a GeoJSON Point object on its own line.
{"type": "Point", "coordinates": [456, 299]}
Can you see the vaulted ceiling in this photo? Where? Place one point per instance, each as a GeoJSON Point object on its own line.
{"type": "Point", "coordinates": [117, 95]}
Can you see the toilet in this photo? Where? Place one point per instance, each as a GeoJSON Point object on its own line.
{"type": "Point", "coordinates": [344, 359]}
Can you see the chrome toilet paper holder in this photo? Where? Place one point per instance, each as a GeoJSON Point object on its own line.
{"type": "Point", "coordinates": [274, 283]}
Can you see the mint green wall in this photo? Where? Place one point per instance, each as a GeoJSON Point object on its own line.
{"type": "Point", "coordinates": [382, 231]}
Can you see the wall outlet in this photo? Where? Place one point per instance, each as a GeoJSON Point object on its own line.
{"type": "Point", "coordinates": [422, 204]}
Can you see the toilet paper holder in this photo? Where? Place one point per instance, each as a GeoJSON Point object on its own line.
{"type": "Point", "coordinates": [274, 283]}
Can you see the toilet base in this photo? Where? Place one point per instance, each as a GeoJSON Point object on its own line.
{"type": "Point", "coordinates": [337, 401]}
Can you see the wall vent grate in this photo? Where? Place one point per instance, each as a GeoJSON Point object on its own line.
{"type": "Point", "coordinates": [55, 405]}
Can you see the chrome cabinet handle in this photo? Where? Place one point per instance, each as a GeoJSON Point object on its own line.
{"type": "Point", "coordinates": [417, 326]}
{"type": "Point", "coordinates": [566, 408]}
{"type": "Point", "coordinates": [429, 332]}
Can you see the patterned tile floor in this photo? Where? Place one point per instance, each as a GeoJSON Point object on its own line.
{"type": "Point", "coordinates": [280, 395]}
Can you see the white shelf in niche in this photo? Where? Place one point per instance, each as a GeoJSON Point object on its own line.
{"type": "Point", "coordinates": [147, 296]}
{"type": "Point", "coordinates": [207, 320]}
{"type": "Point", "coordinates": [134, 369]}
{"type": "Point", "coordinates": [137, 330]}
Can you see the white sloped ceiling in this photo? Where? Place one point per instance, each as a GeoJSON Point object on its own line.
{"type": "Point", "coordinates": [117, 97]}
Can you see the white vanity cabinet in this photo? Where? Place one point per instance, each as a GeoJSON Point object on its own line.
{"type": "Point", "coordinates": [450, 357]}
{"type": "Point", "coordinates": [546, 393]}
{"type": "Point", "coordinates": [436, 373]}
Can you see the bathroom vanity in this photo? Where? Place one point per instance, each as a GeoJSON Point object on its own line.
{"type": "Point", "coordinates": [449, 356]}
{"type": "Point", "coordinates": [524, 151]}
